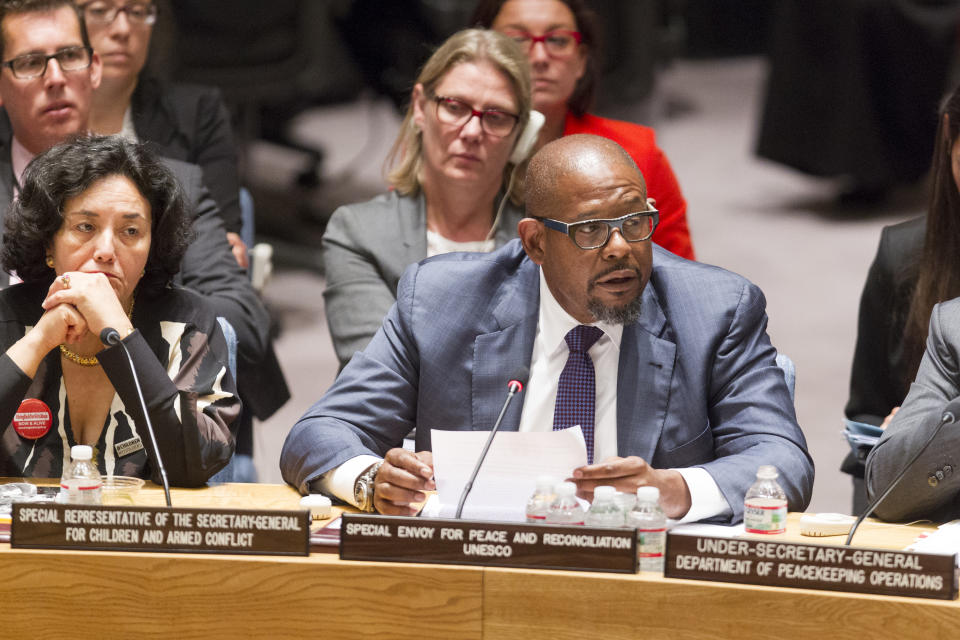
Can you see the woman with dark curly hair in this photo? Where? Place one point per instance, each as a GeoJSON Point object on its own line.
{"type": "Point", "coordinates": [97, 234]}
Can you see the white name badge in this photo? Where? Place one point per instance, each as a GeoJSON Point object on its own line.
{"type": "Point", "coordinates": [127, 447]}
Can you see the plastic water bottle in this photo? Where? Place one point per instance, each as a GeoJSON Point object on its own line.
{"type": "Point", "coordinates": [627, 502]}
{"type": "Point", "coordinates": [539, 502]}
{"type": "Point", "coordinates": [651, 525]}
{"type": "Point", "coordinates": [565, 509]}
{"type": "Point", "coordinates": [605, 510]}
{"type": "Point", "coordinates": [765, 506]}
{"type": "Point", "coordinates": [81, 482]}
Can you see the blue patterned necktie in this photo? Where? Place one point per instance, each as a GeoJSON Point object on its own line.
{"type": "Point", "coordinates": [576, 389]}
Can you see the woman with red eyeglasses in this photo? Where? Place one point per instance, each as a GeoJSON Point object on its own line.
{"type": "Point", "coordinates": [560, 37]}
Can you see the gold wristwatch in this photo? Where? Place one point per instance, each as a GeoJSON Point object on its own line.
{"type": "Point", "coordinates": [363, 488]}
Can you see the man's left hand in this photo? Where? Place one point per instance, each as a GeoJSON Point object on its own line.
{"type": "Point", "coordinates": [626, 474]}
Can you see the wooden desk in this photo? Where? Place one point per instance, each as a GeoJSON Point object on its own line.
{"type": "Point", "coordinates": [123, 595]}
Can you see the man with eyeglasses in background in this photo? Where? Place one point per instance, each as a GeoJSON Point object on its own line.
{"type": "Point", "coordinates": [47, 77]}
{"type": "Point", "coordinates": [676, 384]}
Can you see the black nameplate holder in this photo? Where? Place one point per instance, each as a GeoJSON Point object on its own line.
{"type": "Point", "coordinates": [176, 530]}
{"type": "Point", "coordinates": [778, 563]}
{"type": "Point", "coordinates": [493, 544]}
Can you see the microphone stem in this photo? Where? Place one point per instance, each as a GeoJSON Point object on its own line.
{"type": "Point", "coordinates": [947, 419]}
{"type": "Point", "coordinates": [483, 454]}
{"type": "Point", "coordinates": [146, 417]}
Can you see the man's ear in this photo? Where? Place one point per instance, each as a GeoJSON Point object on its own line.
{"type": "Point", "coordinates": [96, 70]}
{"type": "Point", "coordinates": [532, 237]}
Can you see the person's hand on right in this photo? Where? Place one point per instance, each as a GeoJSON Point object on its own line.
{"type": "Point", "coordinates": [239, 249]}
{"type": "Point", "coordinates": [401, 481]}
{"type": "Point", "coordinates": [886, 421]}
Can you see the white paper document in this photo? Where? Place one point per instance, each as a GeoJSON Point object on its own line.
{"type": "Point", "coordinates": [509, 472]}
{"type": "Point", "coordinates": [946, 539]}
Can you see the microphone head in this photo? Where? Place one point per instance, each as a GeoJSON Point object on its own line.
{"type": "Point", "coordinates": [519, 379]}
{"type": "Point", "coordinates": [110, 336]}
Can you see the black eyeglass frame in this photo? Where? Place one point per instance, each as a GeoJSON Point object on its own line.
{"type": "Point", "coordinates": [570, 229]}
{"type": "Point", "coordinates": [474, 112]}
{"type": "Point", "coordinates": [149, 19]}
{"type": "Point", "coordinates": [46, 61]}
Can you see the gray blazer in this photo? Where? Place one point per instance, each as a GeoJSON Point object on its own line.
{"type": "Point", "coordinates": [366, 247]}
{"type": "Point", "coordinates": [698, 385]}
{"type": "Point", "coordinates": [931, 488]}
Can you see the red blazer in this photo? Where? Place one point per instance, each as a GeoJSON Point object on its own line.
{"type": "Point", "coordinates": [672, 234]}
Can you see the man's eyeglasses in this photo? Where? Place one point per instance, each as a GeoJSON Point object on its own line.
{"type": "Point", "coordinates": [103, 13]}
{"type": "Point", "coordinates": [559, 43]}
{"type": "Point", "coordinates": [34, 65]}
{"type": "Point", "coordinates": [457, 113]}
{"type": "Point", "coordinates": [593, 234]}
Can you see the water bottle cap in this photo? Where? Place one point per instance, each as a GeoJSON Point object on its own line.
{"type": "Point", "coordinates": [566, 489]}
{"type": "Point", "coordinates": [604, 493]}
{"type": "Point", "coordinates": [81, 452]}
{"type": "Point", "coordinates": [648, 494]}
{"type": "Point", "coordinates": [767, 472]}
{"type": "Point", "coordinates": [545, 484]}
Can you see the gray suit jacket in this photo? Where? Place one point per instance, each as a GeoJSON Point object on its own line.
{"type": "Point", "coordinates": [931, 488]}
{"type": "Point", "coordinates": [698, 385]}
{"type": "Point", "coordinates": [366, 247]}
{"type": "Point", "coordinates": [208, 266]}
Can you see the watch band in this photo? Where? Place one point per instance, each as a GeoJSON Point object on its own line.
{"type": "Point", "coordinates": [363, 490]}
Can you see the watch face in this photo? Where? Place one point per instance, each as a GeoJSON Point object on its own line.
{"type": "Point", "coordinates": [360, 494]}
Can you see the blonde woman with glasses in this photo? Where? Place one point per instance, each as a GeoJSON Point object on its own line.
{"type": "Point", "coordinates": [452, 173]}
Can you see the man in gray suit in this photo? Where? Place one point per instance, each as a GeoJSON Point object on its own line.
{"type": "Point", "coordinates": [47, 79]}
{"type": "Point", "coordinates": [687, 396]}
{"type": "Point", "coordinates": [931, 487]}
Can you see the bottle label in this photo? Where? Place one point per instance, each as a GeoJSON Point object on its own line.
{"type": "Point", "coordinates": [80, 491]}
{"type": "Point", "coordinates": [768, 517]}
{"type": "Point", "coordinates": [650, 542]}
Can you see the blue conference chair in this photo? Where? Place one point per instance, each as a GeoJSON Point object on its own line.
{"type": "Point", "coordinates": [240, 468]}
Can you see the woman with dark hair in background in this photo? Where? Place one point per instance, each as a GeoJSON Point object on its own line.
{"type": "Point", "coordinates": [560, 38]}
{"type": "Point", "coordinates": [916, 267]}
{"type": "Point", "coordinates": [183, 122]}
{"type": "Point", "coordinates": [96, 235]}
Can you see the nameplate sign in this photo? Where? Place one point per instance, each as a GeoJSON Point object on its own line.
{"type": "Point", "coordinates": [493, 544]}
{"type": "Point", "coordinates": [778, 563]}
{"type": "Point", "coordinates": [177, 530]}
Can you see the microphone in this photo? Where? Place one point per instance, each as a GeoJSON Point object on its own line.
{"type": "Point", "coordinates": [110, 336]}
{"type": "Point", "coordinates": [514, 386]}
{"type": "Point", "coordinates": [950, 414]}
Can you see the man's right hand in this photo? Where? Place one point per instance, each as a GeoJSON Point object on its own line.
{"type": "Point", "coordinates": [401, 481]}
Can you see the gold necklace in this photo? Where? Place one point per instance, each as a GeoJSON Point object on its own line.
{"type": "Point", "coordinates": [85, 361]}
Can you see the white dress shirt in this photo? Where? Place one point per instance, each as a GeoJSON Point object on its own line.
{"type": "Point", "coordinates": [437, 245]}
{"type": "Point", "coordinates": [549, 357]}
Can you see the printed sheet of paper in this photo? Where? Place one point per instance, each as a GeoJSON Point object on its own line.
{"type": "Point", "coordinates": [509, 472]}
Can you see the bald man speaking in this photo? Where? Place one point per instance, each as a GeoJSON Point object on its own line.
{"type": "Point", "coordinates": [664, 363]}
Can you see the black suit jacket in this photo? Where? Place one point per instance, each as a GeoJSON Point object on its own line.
{"type": "Point", "coordinates": [191, 123]}
{"type": "Point", "coordinates": [209, 268]}
{"type": "Point", "coordinates": [879, 380]}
